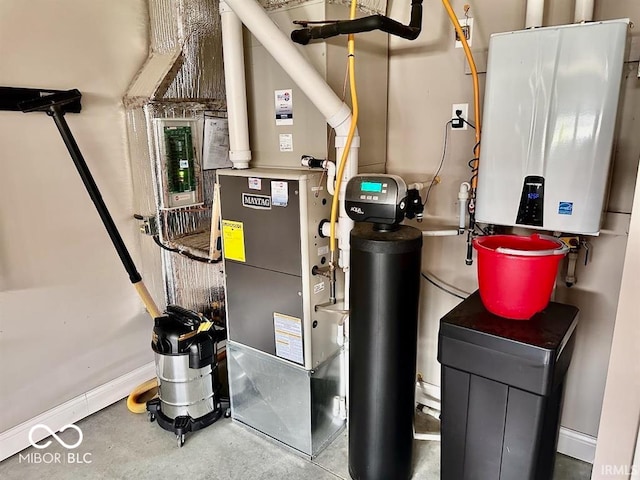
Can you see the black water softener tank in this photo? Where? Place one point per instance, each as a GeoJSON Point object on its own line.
{"type": "Point", "coordinates": [383, 325]}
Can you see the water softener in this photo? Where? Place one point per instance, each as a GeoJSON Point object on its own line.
{"type": "Point", "coordinates": [384, 294]}
{"type": "Point", "coordinates": [187, 369]}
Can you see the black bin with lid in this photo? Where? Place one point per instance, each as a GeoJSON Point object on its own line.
{"type": "Point", "coordinates": [502, 385]}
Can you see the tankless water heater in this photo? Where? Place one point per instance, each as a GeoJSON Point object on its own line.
{"type": "Point", "coordinates": [550, 109]}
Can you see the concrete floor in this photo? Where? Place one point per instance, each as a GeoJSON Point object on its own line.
{"type": "Point", "coordinates": [126, 446]}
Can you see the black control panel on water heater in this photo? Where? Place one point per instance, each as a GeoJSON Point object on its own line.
{"type": "Point", "coordinates": [531, 211]}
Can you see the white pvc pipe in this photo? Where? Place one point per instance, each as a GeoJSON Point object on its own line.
{"type": "Point", "coordinates": [440, 233]}
{"type": "Point", "coordinates": [534, 13]}
{"type": "Point", "coordinates": [331, 177]}
{"type": "Point", "coordinates": [583, 11]}
{"type": "Point", "coordinates": [463, 198]}
{"type": "Point", "coordinates": [336, 112]}
{"type": "Point", "coordinates": [233, 55]}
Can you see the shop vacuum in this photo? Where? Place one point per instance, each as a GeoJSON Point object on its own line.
{"type": "Point", "coordinates": [185, 347]}
{"type": "Point", "coordinates": [383, 325]}
{"type": "Point", "coordinates": [185, 344]}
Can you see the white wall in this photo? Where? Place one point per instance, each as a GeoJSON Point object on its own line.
{"type": "Point", "coordinates": [425, 78]}
{"type": "Point", "coordinates": [618, 432]}
{"type": "Point", "coordinates": [69, 320]}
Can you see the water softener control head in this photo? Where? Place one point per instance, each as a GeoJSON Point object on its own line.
{"type": "Point", "coordinates": [376, 198]}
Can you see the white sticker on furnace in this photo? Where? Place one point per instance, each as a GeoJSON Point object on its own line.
{"type": "Point", "coordinates": [284, 107]}
{"type": "Point", "coordinates": [288, 332]}
{"type": "Point", "coordinates": [279, 193]}
{"type": "Point", "coordinates": [318, 287]}
{"type": "Point", "coordinates": [255, 183]}
{"type": "Point", "coordinates": [323, 250]}
{"type": "Point", "coordinates": [286, 142]}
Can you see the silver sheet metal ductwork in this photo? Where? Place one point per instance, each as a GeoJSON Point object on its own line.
{"type": "Point", "coordinates": [194, 26]}
{"type": "Point", "coordinates": [183, 78]}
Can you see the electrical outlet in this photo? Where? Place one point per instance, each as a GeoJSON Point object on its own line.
{"type": "Point", "coordinates": [456, 123]}
{"type": "Point", "coordinates": [467, 28]}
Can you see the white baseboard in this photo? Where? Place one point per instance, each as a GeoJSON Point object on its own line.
{"type": "Point", "coordinates": [571, 443]}
{"type": "Point", "coordinates": [577, 445]}
{"type": "Point", "coordinates": [16, 439]}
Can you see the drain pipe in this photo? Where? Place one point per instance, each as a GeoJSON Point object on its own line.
{"type": "Point", "coordinates": [335, 111]}
{"type": "Point", "coordinates": [236, 91]}
{"type": "Point", "coordinates": [534, 14]}
{"type": "Point", "coordinates": [583, 11]}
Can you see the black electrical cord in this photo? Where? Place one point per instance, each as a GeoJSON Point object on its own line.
{"type": "Point", "coordinates": [441, 287]}
{"type": "Point", "coordinates": [473, 165]}
{"type": "Point", "coordinates": [483, 232]}
{"type": "Point", "coordinates": [190, 256]}
{"type": "Point", "coordinates": [444, 154]}
{"type": "Point", "coordinates": [464, 120]}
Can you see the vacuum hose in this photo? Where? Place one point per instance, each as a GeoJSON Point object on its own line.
{"type": "Point", "coordinates": [137, 400]}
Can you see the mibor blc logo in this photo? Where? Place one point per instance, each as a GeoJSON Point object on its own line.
{"type": "Point", "coordinates": [55, 457]}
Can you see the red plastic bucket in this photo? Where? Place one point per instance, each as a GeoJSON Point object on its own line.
{"type": "Point", "coordinates": [516, 274]}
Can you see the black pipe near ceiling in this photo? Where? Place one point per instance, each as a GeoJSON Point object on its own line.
{"type": "Point", "coordinates": [359, 25]}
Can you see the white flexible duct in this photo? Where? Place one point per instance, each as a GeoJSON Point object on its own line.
{"type": "Point", "coordinates": [583, 11]}
{"type": "Point", "coordinates": [236, 91]}
{"type": "Point", "coordinates": [534, 14]}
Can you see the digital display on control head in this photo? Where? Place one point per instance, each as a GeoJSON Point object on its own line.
{"type": "Point", "coordinates": [375, 187]}
{"type": "Point", "coordinates": [533, 196]}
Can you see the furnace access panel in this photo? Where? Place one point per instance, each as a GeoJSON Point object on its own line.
{"type": "Point", "coordinates": [271, 242]}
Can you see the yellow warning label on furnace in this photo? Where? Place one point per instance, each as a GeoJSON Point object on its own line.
{"type": "Point", "coordinates": [233, 238]}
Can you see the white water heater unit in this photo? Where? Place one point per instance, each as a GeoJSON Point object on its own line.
{"type": "Point", "coordinates": [551, 101]}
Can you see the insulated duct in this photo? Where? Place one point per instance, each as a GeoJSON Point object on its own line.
{"type": "Point", "coordinates": [182, 79]}
{"type": "Point", "coordinates": [194, 27]}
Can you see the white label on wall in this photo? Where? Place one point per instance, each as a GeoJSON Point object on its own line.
{"type": "Point", "coordinates": [286, 142]}
{"type": "Point", "coordinates": [288, 332]}
{"type": "Point", "coordinates": [279, 193]}
{"type": "Point", "coordinates": [318, 287]}
{"type": "Point", "coordinates": [323, 250]}
{"type": "Point", "coordinates": [284, 107]}
{"type": "Point", "coordinates": [255, 183]}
